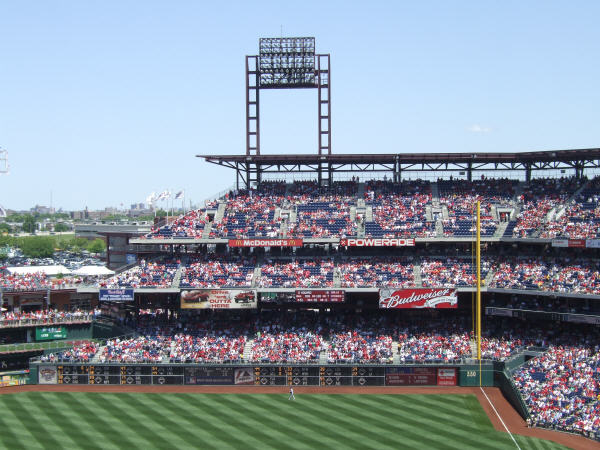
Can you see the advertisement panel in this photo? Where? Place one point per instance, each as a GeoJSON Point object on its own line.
{"type": "Point", "coordinates": [581, 318]}
{"type": "Point", "coordinates": [577, 243]}
{"type": "Point", "coordinates": [50, 333]}
{"type": "Point", "coordinates": [259, 242]}
{"type": "Point", "coordinates": [115, 295]}
{"type": "Point", "coordinates": [446, 377]}
{"type": "Point", "coordinates": [505, 312]}
{"type": "Point", "coordinates": [418, 298]}
{"type": "Point", "coordinates": [377, 242]}
{"type": "Point", "coordinates": [560, 242]}
{"type": "Point", "coordinates": [310, 296]}
{"type": "Point", "coordinates": [218, 299]}
{"type": "Point", "coordinates": [48, 375]}
{"type": "Point", "coordinates": [411, 376]}
{"type": "Point", "coordinates": [592, 243]}
{"type": "Point", "coordinates": [243, 376]}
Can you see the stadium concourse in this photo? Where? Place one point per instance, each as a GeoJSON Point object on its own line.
{"type": "Point", "coordinates": [302, 274]}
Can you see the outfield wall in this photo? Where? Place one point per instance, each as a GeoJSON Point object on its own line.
{"type": "Point", "coordinates": [262, 375]}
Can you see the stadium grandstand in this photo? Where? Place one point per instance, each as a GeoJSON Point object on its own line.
{"type": "Point", "coordinates": [352, 269]}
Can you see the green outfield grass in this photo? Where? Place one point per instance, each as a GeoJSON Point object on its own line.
{"type": "Point", "coordinates": [249, 421]}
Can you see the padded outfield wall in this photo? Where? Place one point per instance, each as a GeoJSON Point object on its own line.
{"type": "Point", "coordinates": [263, 375]}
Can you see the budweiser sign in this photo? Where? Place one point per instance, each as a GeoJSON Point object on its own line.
{"type": "Point", "coordinates": [418, 298]}
{"type": "Point", "coordinates": [383, 242]}
{"type": "Point", "coordinates": [265, 242]}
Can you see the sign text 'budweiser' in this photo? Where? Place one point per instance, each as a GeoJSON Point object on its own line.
{"type": "Point", "coordinates": [379, 242]}
{"type": "Point", "coordinates": [418, 298]}
{"type": "Point", "coordinates": [265, 242]}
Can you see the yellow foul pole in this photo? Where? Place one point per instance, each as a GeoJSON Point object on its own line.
{"type": "Point", "coordinates": [479, 290]}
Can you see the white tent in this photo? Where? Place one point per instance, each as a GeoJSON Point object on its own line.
{"type": "Point", "coordinates": [95, 271]}
{"type": "Point", "coordinates": [48, 270]}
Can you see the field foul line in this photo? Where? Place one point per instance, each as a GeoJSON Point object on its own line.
{"type": "Point", "coordinates": [503, 424]}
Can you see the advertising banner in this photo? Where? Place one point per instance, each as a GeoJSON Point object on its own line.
{"type": "Point", "coordinates": [309, 296]}
{"type": "Point", "coordinates": [383, 242]}
{"type": "Point", "coordinates": [47, 375]}
{"type": "Point", "coordinates": [260, 242]}
{"type": "Point", "coordinates": [560, 242]}
{"type": "Point", "coordinates": [115, 295]}
{"type": "Point", "coordinates": [577, 243]}
{"type": "Point", "coordinates": [581, 318]}
{"type": "Point", "coordinates": [446, 377]}
{"type": "Point", "coordinates": [505, 312]}
{"type": "Point", "coordinates": [592, 243]}
{"type": "Point", "coordinates": [50, 333]}
{"type": "Point", "coordinates": [243, 376]}
{"type": "Point", "coordinates": [218, 299]}
{"type": "Point", "coordinates": [418, 298]}
{"type": "Point", "coordinates": [410, 376]}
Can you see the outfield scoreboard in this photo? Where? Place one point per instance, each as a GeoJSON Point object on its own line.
{"type": "Point", "coordinates": [257, 375]}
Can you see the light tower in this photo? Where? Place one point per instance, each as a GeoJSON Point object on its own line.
{"type": "Point", "coordinates": [3, 171]}
{"type": "Point", "coordinates": [287, 63]}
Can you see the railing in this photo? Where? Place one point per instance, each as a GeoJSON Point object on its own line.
{"type": "Point", "coordinates": [33, 346]}
{"type": "Point", "coordinates": [8, 323]}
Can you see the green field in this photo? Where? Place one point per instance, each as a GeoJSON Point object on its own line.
{"type": "Point", "coordinates": [249, 421]}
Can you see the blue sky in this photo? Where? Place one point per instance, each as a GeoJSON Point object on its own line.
{"type": "Point", "coordinates": [103, 102]}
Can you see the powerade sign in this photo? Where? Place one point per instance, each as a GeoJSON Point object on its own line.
{"type": "Point", "coordinates": [50, 333]}
{"type": "Point", "coordinates": [115, 295]}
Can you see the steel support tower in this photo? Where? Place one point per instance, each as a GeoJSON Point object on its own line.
{"type": "Point", "coordinates": [287, 63]}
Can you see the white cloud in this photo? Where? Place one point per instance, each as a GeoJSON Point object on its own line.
{"type": "Point", "coordinates": [479, 129]}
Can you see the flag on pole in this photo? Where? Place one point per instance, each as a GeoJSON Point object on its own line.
{"type": "Point", "coordinates": [179, 195]}
{"type": "Point", "coordinates": [164, 195]}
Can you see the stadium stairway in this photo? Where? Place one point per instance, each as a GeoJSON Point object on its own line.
{"type": "Point", "coordinates": [255, 276]}
{"type": "Point", "coordinates": [96, 357]}
{"type": "Point", "coordinates": [395, 356]}
{"type": "Point", "coordinates": [323, 356]}
{"type": "Point", "coordinates": [417, 274]}
{"type": "Point", "coordinates": [177, 277]}
{"type": "Point", "coordinates": [360, 192]}
{"type": "Point", "coordinates": [337, 278]}
{"type": "Point", "coordinates": [247, 349]}
{"type": "Point", "coordinates": [439, 228]}
{"type": "Point", "coordinates": [206, 231]}
{"type": "Point", "coordinates": [368, 214]}
{"type": "Point", "coordinates": [489, 277]}
{"type": "Point", "coordinates": [435, 195]}
{"type": "Point", "coordinates": [220, 212]}
{"type": "Point", "coordinates": [473, 345]}
{"type": "Point", "coordinates": [500, 230]}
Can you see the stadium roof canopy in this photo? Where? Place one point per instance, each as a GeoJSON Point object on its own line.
{"type": "Point", "coordinates": [250, 168]}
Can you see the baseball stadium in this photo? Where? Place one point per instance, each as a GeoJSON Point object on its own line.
{"type": "Point", "coordinates": [436, 300]}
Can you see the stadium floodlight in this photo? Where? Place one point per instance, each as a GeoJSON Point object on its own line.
{"type": "Point", "coordinates": [287, 63]}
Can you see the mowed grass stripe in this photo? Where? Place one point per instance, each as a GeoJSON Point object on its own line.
{"type": "Point", "coordinates": [363, 427]}
{"type": "Point", "coordinates": [177, 421]}
{"type": "Point", "coordinates": [273, 436]}
{"type": "Point", "coordinates": [8, 438]}
{"type": "Point", "coordinates": [209, 424]}
{"type": "Point", "coordinates": [39, 433]}
{"type": "Point", "coordinates": [102, 420]}
{"type": "Point", "coordinates": [141, 436]}
{"type": "Point", "coordinates": [158, 421]}
{"type": "Point", "coordinates": [402, 423]}
{"type": "Point", "coordinates": [433, 412]}
{"type": "Point", "coordinates": [55, 408]}
{"type": "Point", "coordinates": [231, 425]}
{"type": "Point", "coordinates": [456, 431]}
{"type": "Point", "coordinates": [315, 432]}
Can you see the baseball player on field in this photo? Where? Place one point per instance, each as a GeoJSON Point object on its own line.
{"type": "Point", "coordinates": [291, 397]}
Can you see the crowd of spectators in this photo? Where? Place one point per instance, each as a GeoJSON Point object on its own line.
{"type": "Point", "coordinates": [214, 271]}
{"type": "Point", "coordinates": [82, 352]}
{"type": "Point", "coordinates": [561, 389]}
{"type": "Point", "coordinates": [285, 346]}
{"type": "Point", "coordinates": [23, 282]}
{"type": "Point", "coordinates": [376, 272]}
{"type": "Point", "coordinates": [450, 272]}
{"type": "Point", "coordinates": [555, 275]}
{"type": "Point", "coordinates": [147, 274]}
{"type": "Point", "coordinates": [360, 347]}
{"type": "Point", "coordinates": [48, 316]}
{"type": "Point", "coordinates": [297, 273]}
